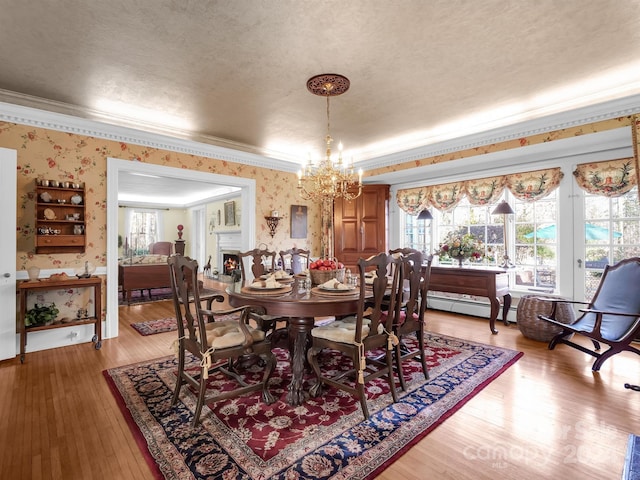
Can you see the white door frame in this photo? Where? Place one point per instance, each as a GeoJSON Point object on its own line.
{"type": "Point", "coordinates": [8, 191]}
{"type": "Point", "coordinates": [198, 227]}
{"type": "Point", "coordinates": [114, 166]}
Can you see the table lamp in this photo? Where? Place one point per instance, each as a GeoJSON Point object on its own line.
{"type": "Point", "coordinates": [505, 209]}
{"type": "Point", "coordinates": [425, 215]}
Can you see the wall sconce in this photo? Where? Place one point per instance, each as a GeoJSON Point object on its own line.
{"type": "Point", "coordinates": [504, 209]}
{"type": "Point", "coordinates": [272, 223]}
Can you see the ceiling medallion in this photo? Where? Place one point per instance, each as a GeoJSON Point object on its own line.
{"type": "Point", "coordinates": [328, 180]}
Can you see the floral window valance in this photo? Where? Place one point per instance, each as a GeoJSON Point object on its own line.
{"type": "Point", "coordinates": [484, 191]}
{"type": "Point", "coordinates": [447, 196]}
{"type": "Point", "coordinates": [413, 200]}
{"type": "Point", "coordinates": [612, 178]}
{"type": "Point", "coordinates": [532, 186]}
{"type": "Point", "coordinates": [528, 186]}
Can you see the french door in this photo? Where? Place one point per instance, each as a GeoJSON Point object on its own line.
{"type": "Point", "coordinates": [607, 231]}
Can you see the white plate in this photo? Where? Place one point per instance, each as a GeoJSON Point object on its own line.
{"type": "Point", "coordinates": [76, 199]}
{"type": "Point", "coordinates": [287, 277]}
{"type": "Point", "coordinates": [254, 287]}
{"type": "Point", "coordinates": [329, 289]}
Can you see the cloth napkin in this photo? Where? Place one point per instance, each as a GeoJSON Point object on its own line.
{"type": "Point", "coordinates": [370, 277]}
{"type": "Point", "coordinates": [270, 282]}
{"type": "Point", "coordinates": [335, 284]}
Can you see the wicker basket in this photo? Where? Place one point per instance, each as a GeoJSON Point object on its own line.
{"type": "Point", "coordinates": [318, 277]}
{"type": "Point", "coordinates": [530, 306]}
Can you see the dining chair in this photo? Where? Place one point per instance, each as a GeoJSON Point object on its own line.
{"type": "Point", "coordinates": [612, 317]}
{"type": "Point", "coordinates": [410, 314]}
{"type": "Point", "coordinates": [214, 344]}
{"type": "Point", "coordinates": [253, 264]}
{"type": "Point", "coordinates": [297, 258]}
{"type": "Point", "coordinates": [354, 337]}
{"type": "Point", "coordinates": [207, 295]}
{"type": "Point", "coordinates": [401, 252]}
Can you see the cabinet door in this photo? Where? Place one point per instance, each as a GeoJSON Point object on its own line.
{"type": "Point", "coordinates": [360, 225]}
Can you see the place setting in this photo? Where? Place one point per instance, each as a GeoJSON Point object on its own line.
{"type": "Point", "coordinates": [268, 286]}
{"type": "Point", "coordinates": [335, 287]}
{"type": "Point", "coordinates": [280, 276]}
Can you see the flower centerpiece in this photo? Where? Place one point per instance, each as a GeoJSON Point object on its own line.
{"type": "Point", "coordinates": [461, 247]}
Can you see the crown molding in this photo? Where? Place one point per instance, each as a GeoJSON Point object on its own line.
{"type": "Point", "coordinates": [579, 116]}
{"type": "Point", "coordinates": [80, 126]}
{"type": "Point", "coordinates": [606, 145]}
{"type": "Point", "coordinates": [74, 123]}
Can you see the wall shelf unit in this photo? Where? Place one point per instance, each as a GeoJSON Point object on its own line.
{"type": "Point", "coordinates": [60, 219]}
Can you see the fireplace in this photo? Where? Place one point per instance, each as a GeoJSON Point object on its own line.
{"type": "Point", "coordinates": [228, 259]}
{"type": "Point", "coordinates": [230, 263]}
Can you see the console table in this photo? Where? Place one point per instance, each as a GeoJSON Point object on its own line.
{"type": "Point", "coordinates": [27, 287]}
{"type": "Point", "coordinates": [489, 282]}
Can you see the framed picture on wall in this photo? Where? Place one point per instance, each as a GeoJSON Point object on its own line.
{"type": "Point", "coordinates": [298, 221]}
{"type": "Point", "coordinates": [230, 213]}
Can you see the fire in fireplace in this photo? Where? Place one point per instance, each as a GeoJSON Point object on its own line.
{"type": "Point", "coordinates": [230, 263]}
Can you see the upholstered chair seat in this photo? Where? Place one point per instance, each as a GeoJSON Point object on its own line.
{"type": "Point", "coordinates": [343, 330]}
{"type": "Point", "coordinates": [227, 333]}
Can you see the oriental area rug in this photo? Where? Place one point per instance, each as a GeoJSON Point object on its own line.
{"type": "Point", "coordinates": [324, 438]}
{"type": "Point", "coordinates": [161, 325]}
{"type": "Point", "coordinates": [143, 296]}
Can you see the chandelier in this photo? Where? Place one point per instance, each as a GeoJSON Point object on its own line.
{"type": "Point", "coordinates": [329, 179]}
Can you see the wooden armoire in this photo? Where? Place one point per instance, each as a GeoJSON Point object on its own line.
{"type": "Point", "coordinates": [360, 225]}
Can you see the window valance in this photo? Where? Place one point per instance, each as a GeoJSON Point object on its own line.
{"type": "Point", "coordinates": [413, 200]}
{"type": "Point", "coordinates": [611, 178]}
{"type": "Point", "coordinates": [528, 186]}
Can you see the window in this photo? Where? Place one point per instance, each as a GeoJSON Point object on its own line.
{"type": "Point", "coordinates": [476, 220]}
{"type": "Point", "coordinates": [612, 229]}
{"type": "Point", "coordinates": [536, 243]}
{"type": "Point", "coordinates": [532, 226]}
{"type": "Point", "coordinates": [142, 229]}
{"type": "Point", "coordinates": [417, 234]}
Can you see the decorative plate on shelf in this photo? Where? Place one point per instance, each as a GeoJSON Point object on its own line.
{"type": "Point", "coordinates": [49, 214]}
{"type": "Point", "coordinates": [76, 199]}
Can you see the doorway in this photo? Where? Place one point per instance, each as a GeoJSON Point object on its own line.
{"type": "Point", "coordinates": [114, 167]}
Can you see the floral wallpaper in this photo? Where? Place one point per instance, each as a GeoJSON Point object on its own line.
{"type": "Point", "coordinates": [53, 155]}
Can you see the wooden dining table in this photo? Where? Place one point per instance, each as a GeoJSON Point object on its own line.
{"type": "Point", "coordinates": [301, 307]}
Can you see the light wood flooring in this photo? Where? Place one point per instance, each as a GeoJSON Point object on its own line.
{"type": "Point", "coordinates": [548, 416]}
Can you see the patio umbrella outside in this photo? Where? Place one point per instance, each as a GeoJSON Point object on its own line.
{"type": "Point", "coordinates": [591, 232]}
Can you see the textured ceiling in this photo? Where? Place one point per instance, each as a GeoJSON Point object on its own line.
{"type": "Point", "coordinates": [233, 73]}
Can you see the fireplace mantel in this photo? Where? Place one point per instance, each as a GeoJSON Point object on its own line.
{"type": "Point", "coordinates": [227, 242]}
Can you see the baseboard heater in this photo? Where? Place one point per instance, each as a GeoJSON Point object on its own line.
{"type": "Point", "coordinates": [465, 306]}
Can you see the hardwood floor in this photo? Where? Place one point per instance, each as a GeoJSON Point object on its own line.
{"type": "Point", "coordinates": [548, 416]}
